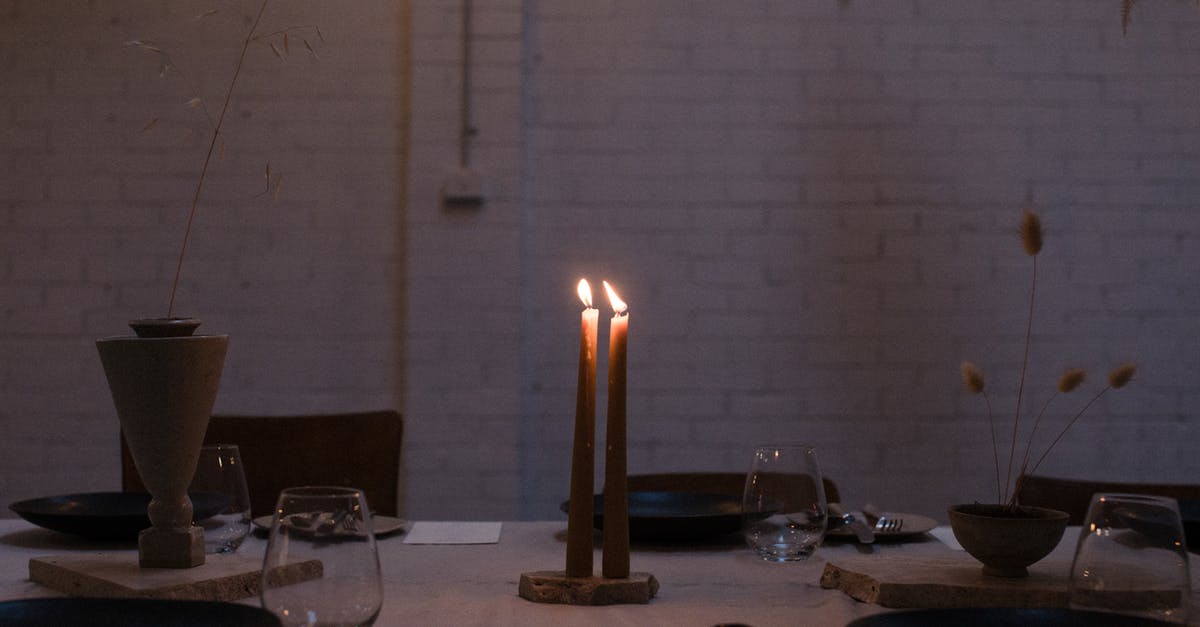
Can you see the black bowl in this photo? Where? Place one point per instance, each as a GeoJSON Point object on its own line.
{"type": "Point", "coordinates": [105, 515]}
{"type": "Point", "coordinates": [1002, 617]}
{"type": "Point", "coordinates": [53, 612]}
{"type": "Point", "coordinates": [1189, 510]}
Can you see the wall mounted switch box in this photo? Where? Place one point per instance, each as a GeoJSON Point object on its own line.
{"type": "Point", "coordinates": [463, 187]}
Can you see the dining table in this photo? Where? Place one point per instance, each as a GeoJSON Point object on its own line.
{"type": "Point", "coordinates": [703, 584]}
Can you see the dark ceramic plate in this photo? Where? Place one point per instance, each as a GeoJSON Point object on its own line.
{"type": "Point", "coordinates": [1000, 617]}
{"type": "Point", "coordinates": [676, 516]}
{"type": "Point", "coordinates": [1189, 510]}
{"type": "Point", "coordinates": [131, 613]}
{"type": "Point", "coordinates": [105, 515]}
{"type": "Point", "coordinates": [913, 525]}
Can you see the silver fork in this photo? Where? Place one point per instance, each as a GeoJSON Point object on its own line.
{"type": "Point", "coordinates": [884, 524]}
{"type": "Point", "coordinates": [887, 524]}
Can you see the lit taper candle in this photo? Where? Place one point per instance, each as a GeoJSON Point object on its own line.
{"type": "Point", "coordinates": [583, 459]}
{"type": "Point", "coordinates": [616, 491]}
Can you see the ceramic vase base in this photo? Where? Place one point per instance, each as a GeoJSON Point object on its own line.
{"type": "Point", "coordinates": [171, 548]}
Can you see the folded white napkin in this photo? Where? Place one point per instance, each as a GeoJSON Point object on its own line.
{"type": "Point", "coordinates": [453, 532]}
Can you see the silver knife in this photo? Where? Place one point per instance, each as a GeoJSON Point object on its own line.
{"type": "Point", "coordinates": [857, 524]}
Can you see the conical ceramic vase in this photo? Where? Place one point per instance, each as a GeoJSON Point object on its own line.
{"type": "Point", "coordinates": [164, 389]}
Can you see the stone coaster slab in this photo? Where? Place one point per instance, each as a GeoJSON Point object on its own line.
{"type": "Point", "coordinates": [220, 578]}
{"type": "Point", "coordinates": [951, 580]}
{"type": "Point", "coordinates": [554, 586]}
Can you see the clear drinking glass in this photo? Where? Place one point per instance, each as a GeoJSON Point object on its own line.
{"type": "Point", "coordinates": [219, 473]}
{"type": "Point", "coordinates": [321, 565]}
{"type": "Point", "coordinates": [783, 506]}
{"type": "Point", "coordinates": [1131, 558]}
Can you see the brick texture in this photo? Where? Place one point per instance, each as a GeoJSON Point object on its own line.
{"type": "Point", "coordinates": [94, 208]}
{"type": "Point", "coordinates": [810, 207]}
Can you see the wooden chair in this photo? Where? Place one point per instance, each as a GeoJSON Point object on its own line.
{"type": "Point", "coordinates": [360, 450]}
{"type": "Point", "coordinates": [1074, 495]}
{"type": "Point", "coordinates": [707, 482]}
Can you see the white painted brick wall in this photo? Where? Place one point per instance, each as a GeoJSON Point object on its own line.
{"type": "Point", "coordinates": [866, 164]}
{"type": "Point", "coordinates": [808, 205]}
{"type": "Point", "coordinates": [93, 210]}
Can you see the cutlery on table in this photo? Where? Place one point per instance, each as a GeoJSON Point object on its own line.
{"type": "Point", "coordinates": [881, 522]}
{"type": "Point", "coordinates": [889, 525]}
{"type": "Point", "coordinates": [857, 524]}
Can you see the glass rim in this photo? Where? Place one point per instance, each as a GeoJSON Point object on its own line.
{"type": "Point", "coordinates": [1134, 497]}
{"type": "Point", "coordinates": [807, 448]}
{"type": "Point", "coordinates": [219, 446]}
{"type": "Point", "coordinates": [320, 490]}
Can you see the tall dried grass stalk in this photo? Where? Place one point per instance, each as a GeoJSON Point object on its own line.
{"type": "Point", "coordinates": [973, 380]}
{"type": "Point", "coordinates": [216, 142]}
{"type": "Point", "coordinates": [1117, 379]}
{"type": "Point", "coordinates": [1126, 15]}
{"type": "Point", "coordinates": [1032, 240]}
{"type": "Point", "coordinates": [1067, 382]}
{"type": "Point", "coordinates": [216, 133]}
{"type": "Point", "coordinates": [1031, 233]}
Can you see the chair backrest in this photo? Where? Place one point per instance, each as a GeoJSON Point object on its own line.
{"type": "Point", "coordinates": [706, 482]}
{"type": "Point", "coordinates": [1074, 495]}
{"type": "Point", "coordinates": [360, 450]}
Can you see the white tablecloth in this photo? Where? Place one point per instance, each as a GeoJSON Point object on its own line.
{"type": "Point", "coordinates": [477, 584]}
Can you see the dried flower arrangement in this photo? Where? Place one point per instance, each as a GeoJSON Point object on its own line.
{"type": "Point", "coordinates": [279, 42]}
{"type": "Point", "coordinates": [1031, 239]}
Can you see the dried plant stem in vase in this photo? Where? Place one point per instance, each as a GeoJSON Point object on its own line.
{"type": "Point", "coordinates": [164, 381]}
{"type": "Point", "coordinates": [1007, 536]}
{"type": "Point", "coordinates": [1032, 239]}
{"type": "Point", "coordinates": [279, 42]}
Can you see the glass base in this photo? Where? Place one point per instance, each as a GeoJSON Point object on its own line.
{"type": "Point", "coordinates": [784, 552]}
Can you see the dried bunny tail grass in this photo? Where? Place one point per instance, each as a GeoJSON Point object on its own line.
{"type": "Point", "coordinates": [1070, 379]}
{"type": "Point", "coordinates": [973, 381]}
{"type": "Point", "coordinates": [1117, 378]}
{"type": "Point", "coordinates": [1031, 232]}
{"type": "Point", "coordinates": [1121, 375]}
{"type": "Point", "coordinates": [972, 378]}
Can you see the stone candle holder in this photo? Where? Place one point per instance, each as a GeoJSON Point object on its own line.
{"type": "Point", "coordinates": [554, 586]}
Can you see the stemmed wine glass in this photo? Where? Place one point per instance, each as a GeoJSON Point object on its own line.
{"type": "Point", "coordinates": [321, 565]}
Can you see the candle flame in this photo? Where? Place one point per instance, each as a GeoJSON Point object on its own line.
{"type": "Point", "coordinates": [618, 305]}
{"type": "Point", "coordinates": [585, 293]}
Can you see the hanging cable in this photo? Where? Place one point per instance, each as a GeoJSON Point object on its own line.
{"type": "Point", "coordinates": [466, 131]}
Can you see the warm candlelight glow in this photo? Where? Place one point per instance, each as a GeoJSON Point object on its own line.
{"type": "Point", "coordinates": [618, 305]}
{"type": "Point", "coordinates": [583, 461]}
{"type": "Point", "coordinates": [585, 293]}
{"type": "Point", "coordinates": [616, 489]}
